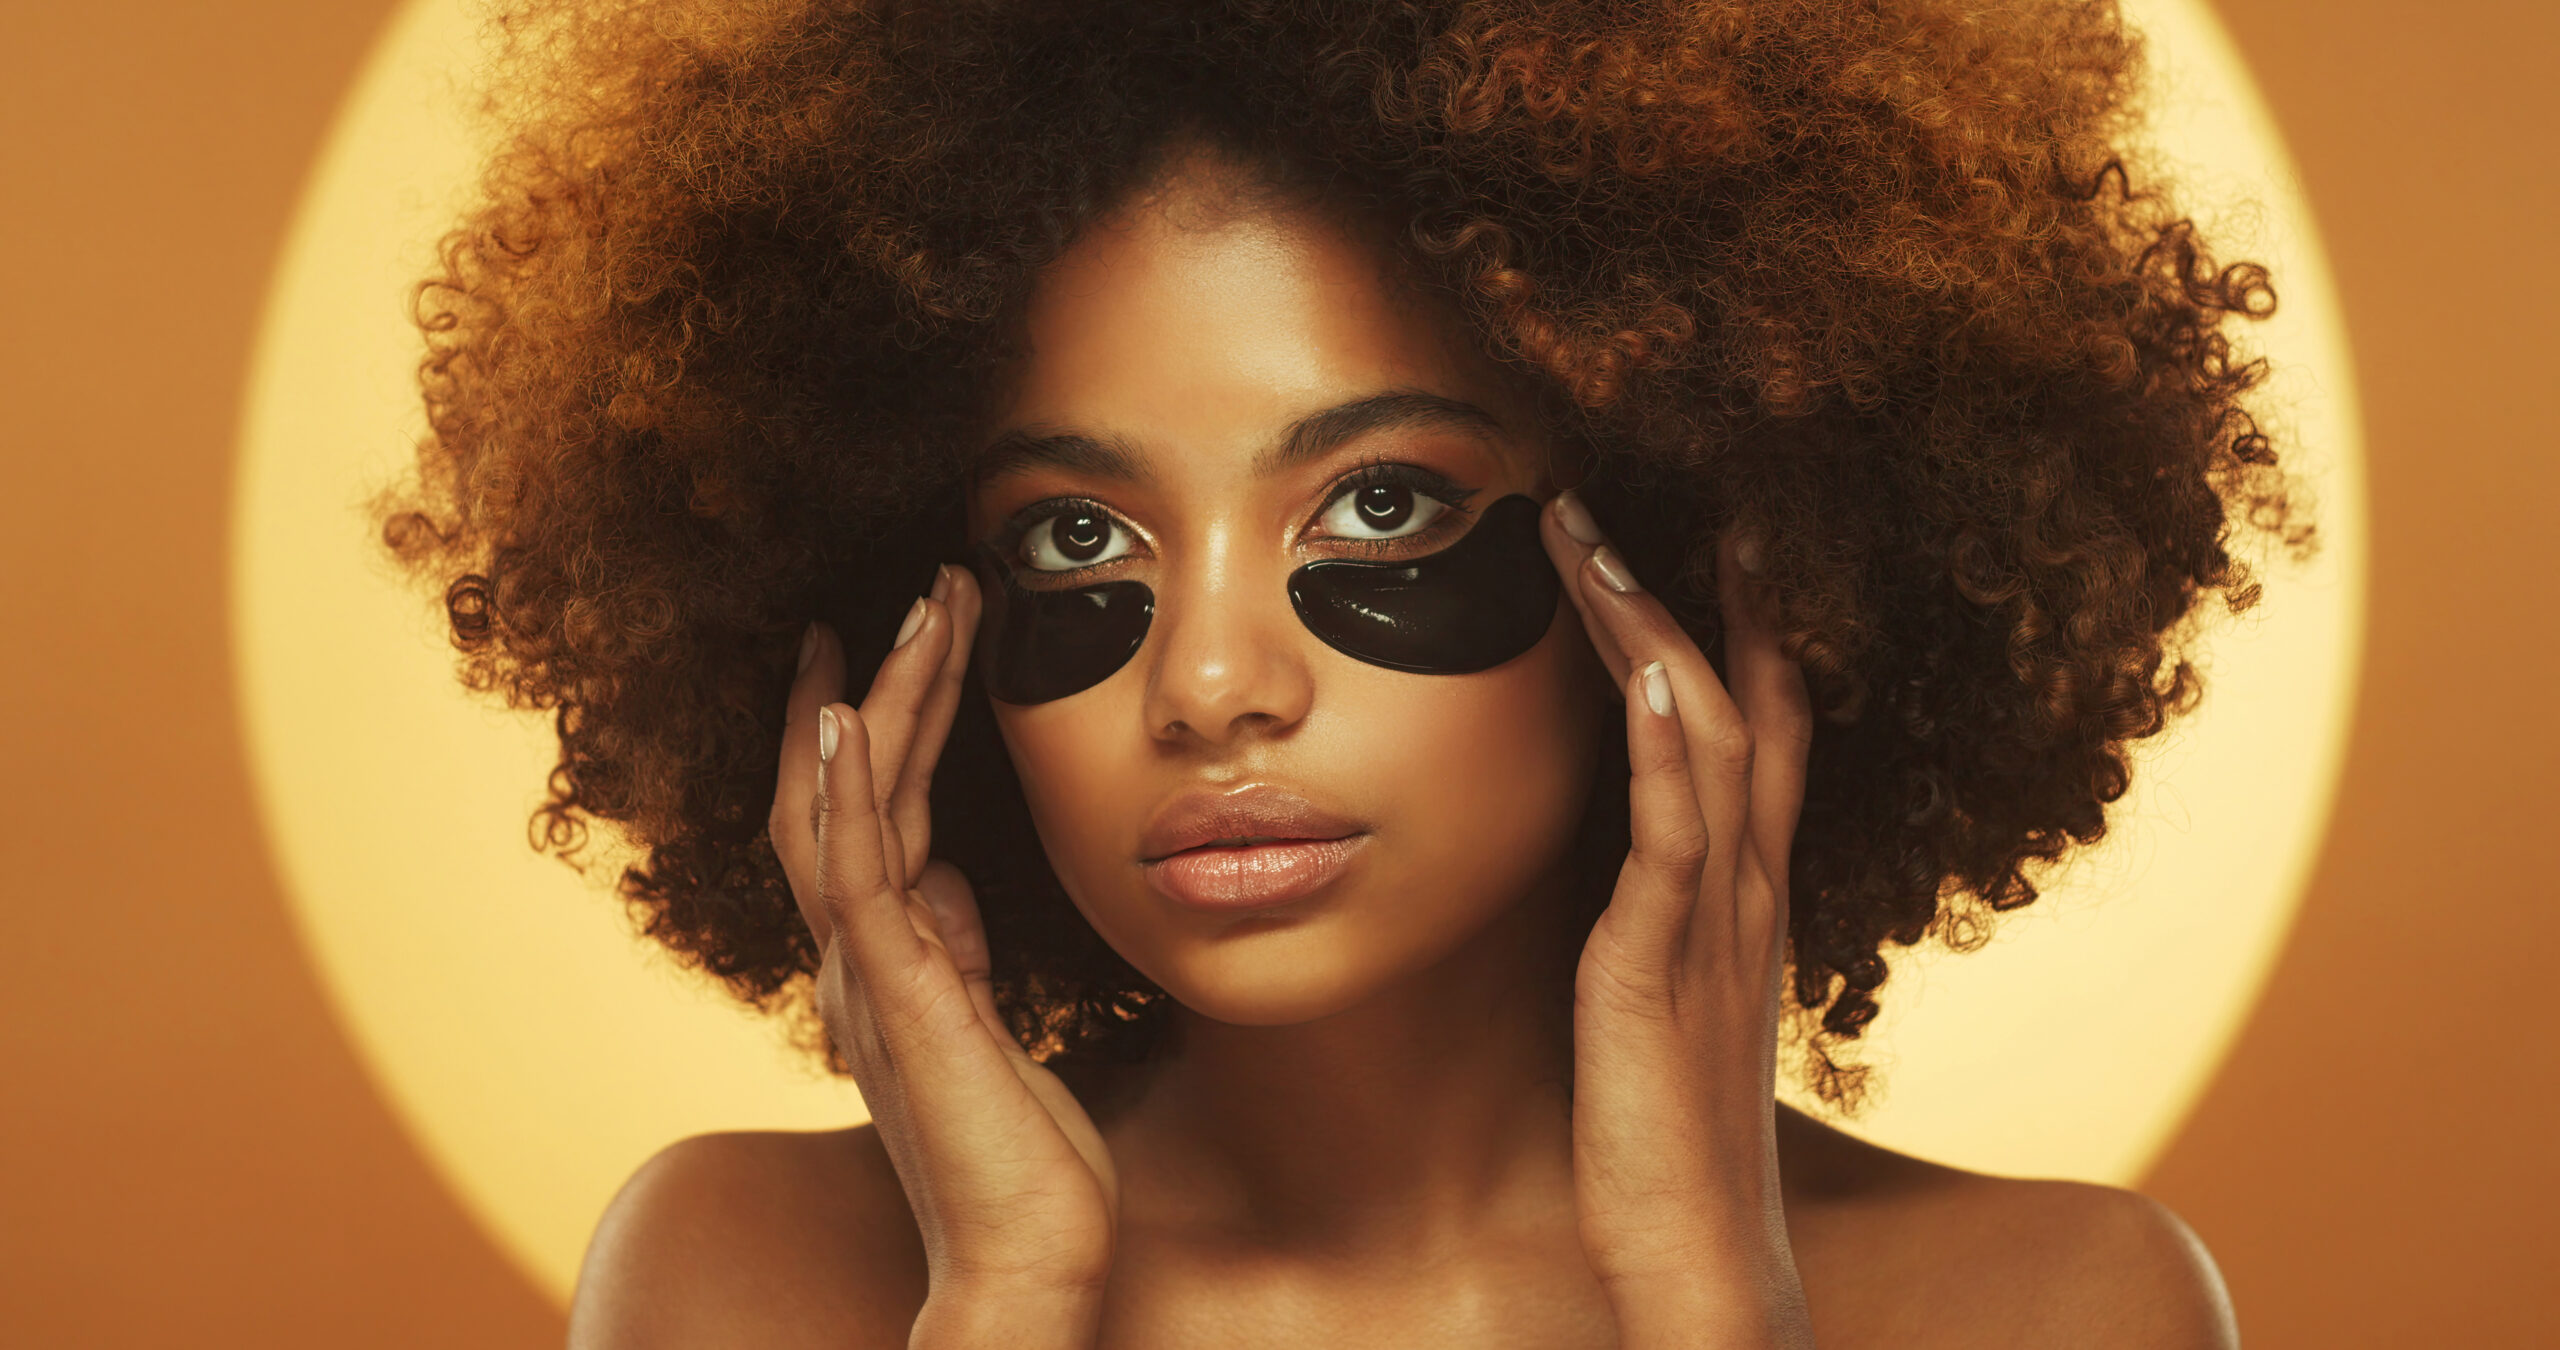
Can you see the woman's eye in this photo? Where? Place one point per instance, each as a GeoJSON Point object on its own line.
{"type": "Point", "coordinates": [1380, 511]}
{"type": "Point", "coordinates": [1073, 538]}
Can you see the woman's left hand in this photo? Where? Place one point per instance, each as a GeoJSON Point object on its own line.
{"type": "Point", "coordinates": [1676, 999]}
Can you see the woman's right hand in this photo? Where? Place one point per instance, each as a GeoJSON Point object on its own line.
{"type": "Point", "coordinates": [1010, 1183]}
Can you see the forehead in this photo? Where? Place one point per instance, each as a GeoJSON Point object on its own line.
{"type": "Point", "coordinates": [1203, 320]}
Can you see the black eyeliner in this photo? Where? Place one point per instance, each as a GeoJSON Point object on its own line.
{"type": "Point", "coordinates": [1397, 473]}
{"type": "Point", "coordinates": [1384, 472]}
{"type": "Point", "coordinates": [1006, 540]}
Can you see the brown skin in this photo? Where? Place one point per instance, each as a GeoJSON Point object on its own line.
{"type": "Point", "coordinates": [1362, 1135]}
{"type": "Point", "coordinates": [706, 358]}
{"type": "Point", "coordinates": [1872, 281]}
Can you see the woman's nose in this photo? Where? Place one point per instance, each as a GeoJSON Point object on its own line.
{"type": "Point", "coordinates": [1230, 659]}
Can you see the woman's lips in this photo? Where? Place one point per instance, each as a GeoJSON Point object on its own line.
{"type": "Point", "coordinates": [1245, 847]}
{"type": "Point", "coordinates": [1251, 876]}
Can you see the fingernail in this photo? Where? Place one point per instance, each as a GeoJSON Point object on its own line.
{"type": "Point", "coordinates": [826, 734]}
{"type": "Point", "coordinates": [941, 581]}
{"type": "Point", "coordinates": [1749, 555]}
{"type": "Point", "coordinates": [915, 620]}
{"type": "Point", "coordinates": [1657, 689]}
{"type": "Point", "coordinates": [808, 648]}
{"type": "Point", "coordinates": [1576, 518]}
{"type": "Point", "coordinates": [1613, 571]}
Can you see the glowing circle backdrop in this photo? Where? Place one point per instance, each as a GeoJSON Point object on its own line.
{"type": "Point", "coordinates": [539, 1051]}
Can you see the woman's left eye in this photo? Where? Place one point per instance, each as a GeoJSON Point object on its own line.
{"type": "Point", "coordinates": [1077, 536]}
{"type": "Point", "coordinates": [1380, 511]}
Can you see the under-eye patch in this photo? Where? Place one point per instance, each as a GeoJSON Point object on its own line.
{"type": "Point", "coordinates": [1472, 606]}
{"type": "Point", "coordinates": [1034, 646]}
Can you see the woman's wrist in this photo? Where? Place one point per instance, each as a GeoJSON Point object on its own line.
{"type": "Point", "coordinates": [1014, 1316]}
{"type": "Point", "coordinates": [1699, 1279]}
{"type": "Point", "coordinates": [1699, 1313]}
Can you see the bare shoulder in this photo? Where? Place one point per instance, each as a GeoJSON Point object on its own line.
{"type": "Point", "coordinates": [765, 1239]}
{"type": "Point", "coordinates": [1896, 1250]}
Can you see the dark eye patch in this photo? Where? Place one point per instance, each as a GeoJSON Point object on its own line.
{"type": "Point", "coordinates": [1469, 607]}
{"type": "Point", "coordinates": [1472, 606]}
{"type": "Point", "coordinates": [1035, 646]}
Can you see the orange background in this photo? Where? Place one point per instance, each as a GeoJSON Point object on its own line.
{"type": "Point", "coordinates": [189, 1152]}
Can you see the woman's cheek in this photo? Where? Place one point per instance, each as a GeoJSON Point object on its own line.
{"type": "Point", "coordinates": [1087, 800]}
{"type": "Point", "coordinates": [1498, 777]}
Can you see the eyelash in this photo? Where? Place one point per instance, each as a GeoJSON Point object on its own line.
{"type": "Point", "coordinates": [1374, 473]}
{"type": "Point", "coordinates": [1414, 478]}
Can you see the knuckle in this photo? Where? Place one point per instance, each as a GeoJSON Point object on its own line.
{"type": "Point", "coordinates": [1637, 987]}
{"type": "Point", "coordinates": [1730, 747]}
{"type": "Point", "coordinates": [1678, 851]}
{"type": "Point", "coordinates": [1760, 907]}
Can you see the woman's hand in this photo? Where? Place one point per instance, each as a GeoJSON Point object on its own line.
{"type": "Point", "coordinates": [1676, 998]}
{"type": "Point", "coordinates": [1009, 1181]}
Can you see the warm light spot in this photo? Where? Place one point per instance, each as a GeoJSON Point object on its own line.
{"type": "Point", "coordinates": [539, 1051]}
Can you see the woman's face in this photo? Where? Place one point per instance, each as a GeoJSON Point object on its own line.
{"type": "Point", "coordinates": [1214, 396]}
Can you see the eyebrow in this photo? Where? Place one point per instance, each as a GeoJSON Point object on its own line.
{"type": "Point", "coordinates": [1310, 437]}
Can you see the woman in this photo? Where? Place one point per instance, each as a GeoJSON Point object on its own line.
{"type": "Point", "coordinates": [1295, 876]}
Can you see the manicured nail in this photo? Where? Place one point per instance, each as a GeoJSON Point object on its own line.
{"type": "Point", "coordinates": [1613, 571]}
{"type": "Point", "coordinates": [808, 648]}
{"type": "Point", "coordinates": [915, 620]}
{"type": "Point", "coordinates": [941, 581]}
{"type": "Point", "coordinates": [1576, 518]}
{"type": "Point", "coordinates": [826, 734]}
{"type": "Point", "coordinates": [1657, 689]}
{"type": "Point", "coordinates": [1749, 555]}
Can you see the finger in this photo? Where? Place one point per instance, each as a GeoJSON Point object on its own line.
{"type": "Point", "coordinates": [890, 708]}
{"type": "Point", "coordinates": [1569, 534]}
{"type": "Point", "coordinates": [1770, 691]}
{"type": "Point", "coordinates": [964, 936]}
{"type": "Point", "coordinates": [820, 680]}
{"type": "Point", "coordinates": [1718, 740]}
{"type": "Point", "coordinates": [910, 801]}
{"type": "Point", "coordinates": [866, 910]}
{"type": "Point", "coordinates": [899, 686]}
{"type": "Point", "coordinates": [1658, 888]}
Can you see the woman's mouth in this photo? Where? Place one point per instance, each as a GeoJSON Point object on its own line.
{"type": "Point", "coordinates": [1253, 873]}
{"type": "Point", "coordinates": [1245, 849]}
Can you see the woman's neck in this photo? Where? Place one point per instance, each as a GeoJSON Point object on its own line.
{"type": "Point", "coordinates": [1437, 1109]}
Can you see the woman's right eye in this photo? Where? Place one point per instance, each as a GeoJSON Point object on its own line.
{"type": "Point", "coordinates": [1075, 537]}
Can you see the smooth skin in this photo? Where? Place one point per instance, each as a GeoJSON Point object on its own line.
{"type": "Point", "coordinates": [1362, 1135]}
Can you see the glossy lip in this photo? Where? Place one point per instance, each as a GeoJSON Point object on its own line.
{"type": "Point", "coordinates": [1252, 847]}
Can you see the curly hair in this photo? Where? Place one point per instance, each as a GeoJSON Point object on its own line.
{"type": "Point", "coordinates": [1881, 282]}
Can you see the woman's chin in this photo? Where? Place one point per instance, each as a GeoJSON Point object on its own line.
{"type": "Point", "coordinates": [1268, 1007]}
{"type": "Point", "coordinates": [1271, 979]}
